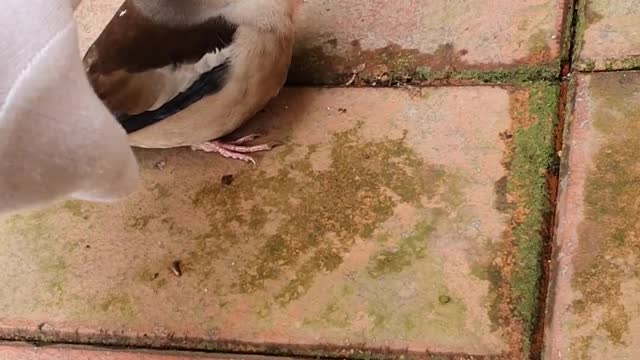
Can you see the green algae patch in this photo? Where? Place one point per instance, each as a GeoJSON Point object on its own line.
{"type": "Point", "coordinates": [411, 248]}
{"type": "Point", "coordinates": [74, 207]}
{"type": "Point", "coordinates": [537, 42]}
{"type": "Point", "coordinates": [139, 223]}
{"type": "Point", "coordinates": [393, 309]}
{"type": "Point", "coordinates": [609, 245]}
{"type": "Point", "coordinates": [44, 240]}
{"type": "Point", "coordinates": [531, 155]}
{"type": "Point", "coordinates": [48, 257]}
{"type": "Point", "coordinates": [119, 304]}
{"type": "Point", "coordinates": [406, 289]}
{"type": "Point", "coordinates": [320, 213]}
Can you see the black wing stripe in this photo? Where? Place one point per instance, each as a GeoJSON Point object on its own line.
{"type": "Point", "coordinates": [207, 84]}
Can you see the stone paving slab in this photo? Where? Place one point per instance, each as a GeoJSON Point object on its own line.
{"type": "Point", "coordinates": [427, 40]}
{"type": "Point", "coordinates": [388, 222]}
{"type": "Point", "coordinates": [610, 33]}
{"type": "Point", "coordinates": [423, 39]}
{"type": "Point", "coordinates": [594, 309]}
{"type": "Point", "coordinates": [20, 351]}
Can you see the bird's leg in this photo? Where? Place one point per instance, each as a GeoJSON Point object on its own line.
{"type": "Point", "coordinates": [236, 149]}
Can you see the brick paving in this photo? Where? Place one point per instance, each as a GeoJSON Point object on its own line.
{"type": "Point", "coordinates": [394, 221]}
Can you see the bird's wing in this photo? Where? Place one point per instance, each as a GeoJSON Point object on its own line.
{"type": "Point", "coordinates": [145, 71]}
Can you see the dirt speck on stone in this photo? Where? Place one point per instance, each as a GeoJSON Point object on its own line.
{"type": "Point", "coordinates": [227, 180]}
{"type": "Point", "coordinates": [176, 268]}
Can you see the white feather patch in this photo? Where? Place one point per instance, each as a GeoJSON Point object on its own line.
{"type": "Point", "coordinates": [178, 79]}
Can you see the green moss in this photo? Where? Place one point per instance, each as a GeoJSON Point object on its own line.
{"type": "Point", "coordinates": [117, 304]}
{"type": "Point", "coordinates": [74, 207]}
{"type": "Point", "coordinates": [514, 75]}
{"type": "Point", "coordinates": [532, 154]}
{"type": "Point", "coordinates": [517, 75]}
{"type": "Point", "coordinates": [411, 248]}
{"type": "Point", "coordinates": [393, 64]}
{"type": "Point", "coordinates": [139, 223]}
{"type": "Point", "coordinates": [325, 259]}
{"type": "Point", "coordinates": [379, 314]}
{"type": "Point", "coordinates": [48, 254]}
{"type": "Point", "coordinates": [333, 316]}
{"type": "Point", "coordinates": [406, 293]}
{"type": "Point", "coordinates": [609, 246]}
{"type": "Point", "coordinates": [320, 213]}
{"type": "Point", "coordinates": [426, 74]}
{"type": "Point", "coordinates": [628, 63]}
{"type": "Point", "coordinates": [162, 192]}
{"type": "Point", "coordinates": [580, 349]}
{"type": "Point", "coordinates": [587, 65]}
{"type": "Point", "coordinates": [537, 42]}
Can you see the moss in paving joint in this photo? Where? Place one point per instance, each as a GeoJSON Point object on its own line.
{"type": "Point", "coordinates": [532, 153]}
{"type": "Point", "coordinates": [609, 245]}
{"type": "Point", "coordinates": [628, 64]}
{"type": "Point", "coordinates": [394, 65]}
{"type": "Point", "coordinates": [567, 32]}
{"type": "Point", "coordinates": [587, 65]}
{"type": "Point", "coordinates": [516, 75]}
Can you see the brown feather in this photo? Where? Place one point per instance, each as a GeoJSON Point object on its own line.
{"type": "Point", "coordinates": [135, 44]}
{"type": "Point", "coordinates": [122, 63]}
{"type": "Point", "coordinates": [136, 60]}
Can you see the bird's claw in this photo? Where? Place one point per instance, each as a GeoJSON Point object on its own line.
{"type": "Point", "coordinates": [236, 149]}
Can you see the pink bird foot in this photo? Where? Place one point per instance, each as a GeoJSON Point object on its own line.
{"type": "Point", "coordinates": [236, 149]}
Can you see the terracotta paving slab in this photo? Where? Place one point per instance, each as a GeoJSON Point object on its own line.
{"type": "Point", "coordinates": [387, 221]}
{"type": "Point", "coordinates": [19, 351]}
{"type": "Point", "coordinates": [594, 311]}
{"type": "Point", "coordinates": [423, 39]}
{"type": "Point", "coordinates": [610, 30]}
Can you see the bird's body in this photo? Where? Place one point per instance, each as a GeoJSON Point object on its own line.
{"type": "Point", "coordinates": [182, 73]}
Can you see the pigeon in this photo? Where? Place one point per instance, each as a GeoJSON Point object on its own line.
{"type": "Point", "coordinates": [188, 72]}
